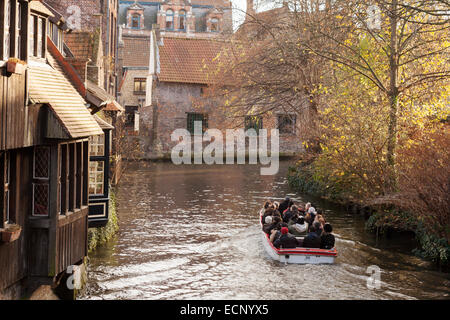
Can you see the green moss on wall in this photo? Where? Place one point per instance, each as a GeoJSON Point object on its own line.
{"type": "Point", "coordinates": [98, 236]}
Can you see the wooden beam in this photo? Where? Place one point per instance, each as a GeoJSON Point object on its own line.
{"type": "Point", "coordinates": [53, 211]}
{"type": "Point", "coordinates": [25, 32]}
{"type": "Point", "coordinates": [13, 30]}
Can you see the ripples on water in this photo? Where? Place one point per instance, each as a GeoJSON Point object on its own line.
{"type": "Point", "coordinates": [192, 232]}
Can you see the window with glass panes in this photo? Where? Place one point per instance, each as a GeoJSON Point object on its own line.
{"type": "Point", "coordinates": [139, 85]}
{"type": "Point", "coordinates": [37, 36]}
{"type": "Point", "coordinates": [130, 115]}
{"type": "Point", "coordinates": [192, 118]}
{"type": "Point", "coordinates": [32, 39]}
{"type": "Point", "coordinates": [41, 179]}
{"type": "Point", "coordinates": [136, 21]}
{"type": "Point", "coordinates": [97, 167]}
{"type": "Point", "coordinates": [182, 18]}
{"type": "Point", "coordinates": [11, 29]}
{"type": "Point", "coordinates": [96, 177]}
{"type": "Point", "coordinates": [214, 25]}
{"type": "Point", "coordinates": [97, 145]}
{"type": "Point", "coordinates": [286, 123]}
{"type": "Point", "coordinates": [169, 20]}
{"type": "Point", "coordinates": [6, 29]}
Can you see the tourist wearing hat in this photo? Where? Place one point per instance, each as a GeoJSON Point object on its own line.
{"type": "Point", "coordinates": [286, 240]}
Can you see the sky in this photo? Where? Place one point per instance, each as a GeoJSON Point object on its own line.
{"type": "Point", "coordinates": [240, 6]}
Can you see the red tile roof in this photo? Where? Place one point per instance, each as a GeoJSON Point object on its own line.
{"type": "Point", "coordinates": [114, 106]}
{"type": "Point", "coordinates": [197, 2]}
{"type": "Point", "coordinates": [188, 60]}
{"type": "Point", "coordinates": [136, 51]}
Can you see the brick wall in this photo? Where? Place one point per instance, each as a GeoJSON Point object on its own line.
{"type": "Point", "coordinates": [174, 101]}
{"type": "Point", "coordinates": [90, 15]}
{"type": "Point", "coordinates": [127, 95]}
{"type": "Point", "coordinates": [79, 14]}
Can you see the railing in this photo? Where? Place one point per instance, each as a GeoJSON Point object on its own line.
{"type": "Point", "coordinates": [71, 245]}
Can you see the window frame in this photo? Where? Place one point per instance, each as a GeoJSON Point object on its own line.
{"type": "Point", "coordinates": [182, 20]}
{"type": "Point", "coordinates": [135, 18]}
{"type": "Point", "coordinates": [192, 117]}
{"type": "Point", "coordinates": [142, 85]}
{"type": "Point", "coordinates": [129, 121]}
{"type": "Point", "coordinates": [292, 118]}
{"type": "Point", "coordinates": [38, 36]}
{"type": "Point", "coordinates": [41, 181]}
{"type": "Point", "coordinates": [170, 15]}
{"type": "Point", "coordinates": [13, 29]}
{"type": "Point", "coordinates": [98, 168]}
{"type": "Point", "coordinates": [94, 176]}
{"type": "Point", "coordinates": [94, 141]}
{"type": "Point", "coordinates": [215, 22]}
{"type": "Point", "coordinates": [6, 29]}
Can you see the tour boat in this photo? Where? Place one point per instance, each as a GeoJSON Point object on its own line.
{"type": "Point", "coordinates": [297, 255]}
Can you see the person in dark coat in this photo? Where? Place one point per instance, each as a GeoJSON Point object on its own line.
{"type": "Point", "coordinates": [286, 240]}
{"type": "Point", "coordinates": [327, 239]}
{"type": "Point", "coordinates": [292, 212]}
{"type": "Point", "coordinates": [312, 240]}
{"type": "Point", "coordinates": [284, 205]}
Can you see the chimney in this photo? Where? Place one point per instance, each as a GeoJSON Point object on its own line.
{"type": "Point", "coordinates": [157, 29]}
{"type": "Point", "coordinates": [250, 9]}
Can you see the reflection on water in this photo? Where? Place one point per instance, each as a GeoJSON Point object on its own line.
{"type": "Point", "coordinates": [192, 232]}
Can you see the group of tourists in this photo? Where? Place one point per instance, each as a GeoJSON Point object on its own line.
{"type": "Point", "coordinates": [291, 225]}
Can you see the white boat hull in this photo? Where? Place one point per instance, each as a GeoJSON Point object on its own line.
{"type": "Point", "coordinates": [298, 255]}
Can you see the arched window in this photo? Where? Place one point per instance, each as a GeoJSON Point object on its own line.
{"type": "Point", "coordinates": [169, 19]}
{"type": "Point", "coordinates": [214, 25]}
{"type": "Point", "coordinates": [182, 15]}
{"type": "Point", "coordinates": [136, 21]}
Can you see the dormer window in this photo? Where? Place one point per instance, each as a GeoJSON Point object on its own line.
{"type": "Point", "coordinates": [169, 20]}
{"type": "Point", "coordinates": [37, 36]}
{"type": "Point", "coordinates": [56, 35]}
{"type": "Point", "coordinates": [182, 17]}
{"type": "Point", "coordinates": [10, 29]}
{"type": "Point", "coordinates": [136, 21]}
{"type": "Point", "coordinates": [214, 25]}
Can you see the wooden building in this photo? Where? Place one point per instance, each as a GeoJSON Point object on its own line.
{"type": "Point", "coordinates": [44, 153]}
{"type": "Point", "coordinates": [100, 149]}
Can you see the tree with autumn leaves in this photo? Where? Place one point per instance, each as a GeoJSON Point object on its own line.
{"type": "Point", "coordinates": [370, 79]}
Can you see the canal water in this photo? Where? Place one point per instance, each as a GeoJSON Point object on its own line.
{"type": "Point", "coordinates": [192, 232]}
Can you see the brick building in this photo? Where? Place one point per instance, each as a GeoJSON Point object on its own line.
{"type": "Point", "coordinates": [94, 26]}
{"type": "Point", "coordinates": [197, 20]}
{"type": "Point", "coordinates": [188, 18]}
{"type": "Point", "coordinates": [132, 87]}
{"type": "Point", "coordinates": [163, 86]}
